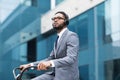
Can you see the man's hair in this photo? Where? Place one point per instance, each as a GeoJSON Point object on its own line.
{"type": "Point", "coordinates": [65, 15]}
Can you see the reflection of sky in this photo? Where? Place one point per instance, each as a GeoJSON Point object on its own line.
{"type": "Point", "coordinates": [115, 13]}
{"type": "Point", "coordinates": [6, 8]}
{"type": "Point", "coordinates": [115, 21]}
{"type": "Point", "coordinates": [112, 19]}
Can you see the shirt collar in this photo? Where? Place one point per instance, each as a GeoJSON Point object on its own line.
{"type": "Point", "coordinates": [60, 34]}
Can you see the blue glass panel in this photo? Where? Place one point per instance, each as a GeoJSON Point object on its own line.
{"type": "Point", "coordinates": [80, 25]}
{"type": "Point", "coordinates": [58, 1]}
{"type": "Point", "coordinates": [110, 20]}
{"type": "Point", "coordinates": [84, 72]}
{"type": "Point", "coordinates": [112, 69]}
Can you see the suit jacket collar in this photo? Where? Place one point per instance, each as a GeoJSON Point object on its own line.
{"type": "Point", "coordinates": [62, 39]}
{"type": "Point", "coordinates": [61, 33]}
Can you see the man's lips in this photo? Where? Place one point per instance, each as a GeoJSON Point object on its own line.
{"type": "Point", "coordinates": [54, 24]}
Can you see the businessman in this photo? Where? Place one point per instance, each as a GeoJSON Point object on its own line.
{"type": "Point", "coordinates": [64, 56]}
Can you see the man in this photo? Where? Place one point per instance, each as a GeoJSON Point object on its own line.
{"type": "Point", "coordinates": [64, 56]}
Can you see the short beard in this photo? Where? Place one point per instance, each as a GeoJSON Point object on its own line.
{"type": "Point", "coordinates": [60, 27]}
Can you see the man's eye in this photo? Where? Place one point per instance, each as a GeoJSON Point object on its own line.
{"type": "Point", "coordinates": [57, 18]}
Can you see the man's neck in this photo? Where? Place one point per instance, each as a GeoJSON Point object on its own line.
{"type": "Point", "coordinates": [58, 31]}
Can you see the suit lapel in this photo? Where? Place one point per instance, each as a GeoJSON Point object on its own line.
{"type": "Point", "coordinates": [62, 39]}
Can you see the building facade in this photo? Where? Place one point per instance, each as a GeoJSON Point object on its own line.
{"type": "Point", "coordinates": [26, 35]}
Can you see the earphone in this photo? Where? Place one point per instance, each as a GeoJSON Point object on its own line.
{"type": "Point", "coordinates": [66, 21]}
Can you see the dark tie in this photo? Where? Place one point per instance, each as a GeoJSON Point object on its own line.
{"type": "Point", "coordinates": [56, 42]}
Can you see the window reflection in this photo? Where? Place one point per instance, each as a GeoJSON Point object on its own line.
{"type": "Point", "coordinates": [6, 8]}
{"type": "Point", "coordinates": [79, 25]}
{"type": "Point", "coordinates": [84, 72]}
{"type": "Point", "coordinates": [112, 24]}
{"type": "Point", "coordinates": [59, 1]}
{"type": "Point", "coordinates": [112, 70]}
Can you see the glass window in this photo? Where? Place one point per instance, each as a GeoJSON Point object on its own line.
{"type": "Point", "coordinates": [23, 52]}
{"type": "Point", "coordinates": [34, 3]}
{"type": "Point", "coordinates": [19, 53]}
{"type": "Point", "coordinates": [84, 72]}
{"type": "Point", "coordinates": [112, 20]}
{"type": "Point", "coordinates": [31, 50]}
{"type": "Point", "coordinates": [79, 25]}
{"type": "Point", "coordinates": [112, 70]}
{"type": "Point", "coordinates": [6, 8]}
{"type": "Point", "coordinates": [59, 1]}
{"type": "Point", "coordinates": [51, 39]}
{"type": "Point", "coordinates": [26, 2]}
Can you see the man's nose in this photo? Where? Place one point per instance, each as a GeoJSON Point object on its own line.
{"type": "Point", "coordinates": [55, 20]}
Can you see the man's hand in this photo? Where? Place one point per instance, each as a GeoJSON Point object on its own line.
{"type": "Point", "coordinates": [22, 67]}
{"type": "Point", "coordinates": [44, 65]}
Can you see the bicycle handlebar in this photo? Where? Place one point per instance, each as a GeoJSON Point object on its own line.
{"type": "Point", "coordinates": [19, 76]}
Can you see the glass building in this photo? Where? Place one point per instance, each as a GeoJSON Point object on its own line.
{"type": "Point", "coordinates": [24, 38]}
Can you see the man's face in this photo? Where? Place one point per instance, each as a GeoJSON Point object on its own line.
{"type": "Point", "coordinates": [58, 21]}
